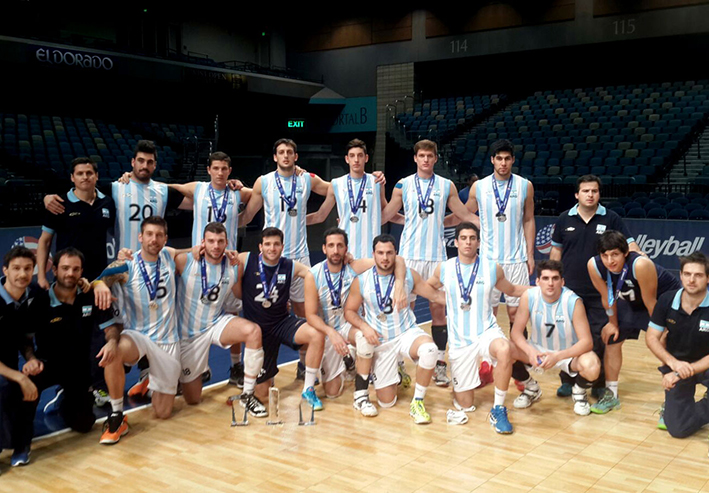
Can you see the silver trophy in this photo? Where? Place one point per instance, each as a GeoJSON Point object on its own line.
{"type": "Point", "coordinates": [300, 414]}
{"type": "Point", "coordinates": [245, 421]}
{"type": "Point", "coordinates": [274, 416]}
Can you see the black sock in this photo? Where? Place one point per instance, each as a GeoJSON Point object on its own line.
{"type": "Point", "coordinates": [361, 383]}
{"type": "Point", "coordinates": [566, 378]}
{"type": "Point", "coordinates": [440, 336]}
{"type": "Point", "coordinates": [582, 382]}
{"type": "Point", "coordinates": [519, 371]}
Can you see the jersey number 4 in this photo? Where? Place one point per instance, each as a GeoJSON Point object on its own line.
{"type": "Point", "coordinates": [260, 298]}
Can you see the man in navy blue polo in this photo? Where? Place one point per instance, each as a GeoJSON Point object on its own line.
{"type": "Point", "coordinates": [574, 242]}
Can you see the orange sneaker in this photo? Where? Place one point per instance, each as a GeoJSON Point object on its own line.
{"type": "Point", "coordinates": [140, 389]}
{"type": "Point", "coordinates": [114, 428]}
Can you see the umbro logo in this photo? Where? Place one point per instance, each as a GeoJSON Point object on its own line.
{"type": "Point", "coordinates": [570, 228]}
{"type": "Point", "coordinates": [72, 214]}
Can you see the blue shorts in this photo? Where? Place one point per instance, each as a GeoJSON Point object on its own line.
{"type": "Point", "coordinates": [281, 333]}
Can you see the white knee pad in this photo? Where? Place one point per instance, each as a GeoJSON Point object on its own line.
{"type": "Point", "coordinates": [428, 355]}
{"type": "Point", "coordinates": [387, 405]}
{"type": "Point", "coordinates": [253, 361]}
{"type": "Point", "coordinates": [364, 349]}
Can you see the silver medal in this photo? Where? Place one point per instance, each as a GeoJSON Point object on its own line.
{"type": "Point", "coordinates": [354, 219]}
{"type": "Point", "coordinates": [266, 304]}
{"type": "Point", "coordinates": [382, 317]}
{"type": "Point", "coordinates": [204, 300]}
{"type": "Point", "coordinates": [292, 212]}
{"type": "Point", "coordinates": [153, 304]}
{"type": "Point", "coordinates": [501, 217]}
{"type": "Point", "coordinates": [423, 214]}
{"type": "Point", "coordinates": [609, 312]}
{"type": "Point", "coordinates": [465, 307]}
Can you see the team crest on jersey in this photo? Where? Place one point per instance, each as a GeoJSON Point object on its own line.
{"type": "Point", "coordinates": [86, 311]}
{"type": "Point", "coordinates": [105, 213]}
{"type": "Point", "coordinates": [704, 326]}
{"type": "Point", "coordinates": [281, 279]}
{"type": "Point", "coordinates": [600, 229]}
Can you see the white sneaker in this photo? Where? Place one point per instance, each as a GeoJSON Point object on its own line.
{"type": "Point", "coordinates": [365, 407]}
{"type": "Point", "coordinates": [581, 405]}
{"type": "Point", "coordinates": [527, 397]}
{"type": "Point", "coordinates": [440, 376]}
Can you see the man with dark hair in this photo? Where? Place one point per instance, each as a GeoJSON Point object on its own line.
{"type": "Point", "coordinates": [574, 242]}
{"type": "Point", "coordinates": [475, 336]}
{"type": "Point", "coordinates": [684, 314]}
{"type": "Point", "coordinates": [505, 202]}
{"type": "Point", "coordinates": [18, 394]}
{"type": "Point", "coordinates": [327, 288]}
{"type": "Point", "coordinates": [424, 197]}
{"type": "Point", "coordinates": [264, 289]}
{"type": "Point", "coordinates": [559, 337]}
{"type": "Point", "coordinates": [392, 332]}
{"type": "Point", "coordinates": [629, 285]}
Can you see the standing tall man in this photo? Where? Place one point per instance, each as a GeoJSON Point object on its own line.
{"type": "Point", "coordinates": [574, 242]}
{"type": "Point", "coordinates": [389, 332]}
{"type": "Point", "coordinates": [629, 285]}
{"type": "Point", "coordinates": [424, 197]}
{"type": "Point", "coordinates": [684, 314]}
{"type": "Point", "coordinates": [505, 202]}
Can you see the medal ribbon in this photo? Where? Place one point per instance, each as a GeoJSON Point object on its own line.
{"type": "Point", "coordinates": [354, 205]}
{"type": "Point", "coordinates": [203, 268]}
{"type": "Point", "coordinates": [382, 301]}
{"type": "Point", "coordinates": [267, 288]}
{"type": "Point", "coordinates": [292, 200]}
{"type": "Point", "coordinates": [423, 200]}
{"type": "Point", "coordinates": [613, 297]}
{"type": "Point", "coordinates": [335, 294]}
{"type": "Point", "coordinates": [219, 212]}
{"type": "Point", "coordinates": [465, 290]}
{"type": "Point", "coordinates": [502, 204]}
{"type": "Point", "coordinates": [152, 290]}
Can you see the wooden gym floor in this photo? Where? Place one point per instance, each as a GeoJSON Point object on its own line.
{"type": "Point", "coordinates": [552, 449]}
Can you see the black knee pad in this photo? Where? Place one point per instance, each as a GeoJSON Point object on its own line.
{"type": "Point", "coordinates": [440, 336]}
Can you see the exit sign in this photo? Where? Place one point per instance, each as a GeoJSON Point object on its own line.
{"type": "Point", "coordinates": [296, 123]}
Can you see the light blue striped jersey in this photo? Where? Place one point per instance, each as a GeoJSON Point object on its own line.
{"type": "Point", "coordinates": [422, 239]}
{"type": "Point", "coordinates": [465, 327]}
{"type": "Point", "coordinates": [360, 233]}
{"type": "Point", "coordinates": [503, 242]}
{"type": "Point", "coordinates": [333, 318]}
{"type": "Point", "coordinates": [552, 324]}
{"type": "Point", "coordinates": [203, 213]}
{"type": "Point", "coordinates": [160, 323]}
{"type": "Point", "coordinates": [135, 202]}
{"type": "Point", "coordinates": [196, 316]}
{"type": "Point", "coordinates": [396, 322]}
{"type": "Point", "coordinates": [276, 212]}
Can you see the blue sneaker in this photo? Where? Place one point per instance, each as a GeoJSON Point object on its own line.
{"type": "Point", "coordinates": [564, 390]}
{"type": "Point", "coordinates": [20, 457]}
{"type": "Point", "coordinates": [53, 405]}
{"type": "Point", "coordinates": [312, 399]}
{"type": "Point", "coordinates": [499, 421]}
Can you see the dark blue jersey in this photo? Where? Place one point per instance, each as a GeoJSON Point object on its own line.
{"type": "Point", "coordinates": [253, 292]}
{"type": "Point", "coordinates": [630, 293]}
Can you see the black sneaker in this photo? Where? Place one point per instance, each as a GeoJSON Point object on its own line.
{"type": "Point", "coordinates": [207, 376]}
{"type": "Point", "coordinates": [300, 372]}
{"type": "Point", "coordinates": [255, 406]}
{"type": "Point", "coordinates": [349, 363]}
{"type": "Point", "coordinates": [236, 375]}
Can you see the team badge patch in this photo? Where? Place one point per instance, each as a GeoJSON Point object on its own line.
{"type": "Point", "coordinates": [704, 326]}
{"type": "Point", "coordinates": [86, 311]}
{"type": "Point", "coordinates": [600, 229]}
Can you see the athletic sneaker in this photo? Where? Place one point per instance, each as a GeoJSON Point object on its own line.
{"type": "Point", "coordinates": [115, 426]}
{"type": "Point", "coordinates": [365, 406]}
{"type": "Point", "coordinates": [527, 397]}
{"type": "Point", "coordinates": [608, 403]}
{"type": "Point", "coordinates": [499, 420]}
{"type": "Point", "coordinates": [439, 374]}
{"type": "Point", "coordinates": [255, 406]}
{"type": "Point", "coordinates": [581, 405]}
{"type": "Point", "coordinates": [140, 389]}
{"type": "Point", "coordinates": [312, 399]}
{"type": "Point", "coordinates": [418, 411]}
{"type": "Point", "coordinates": [300, 372]}
{"type": "Point", "coordinates": [564, 390]}
{"type": "Point", "coordinates": [101, 398]}
{"type": "Point", "coordinates": [20, 457]}
{"type": "Point", "coordinates": [486, 376]}
{"type": "Point", "coordinates": [661, 422]}
{"type": "Point", "coordinates": [597, 392]}
{"type": "Point", "coordinates": [53, 405]}
{"type": "Point", "coordinates": [236, 375]}
{"type": "Point", "coordinates": [207, 375]}
{"type": "Point", "coordinates": [404, 378]}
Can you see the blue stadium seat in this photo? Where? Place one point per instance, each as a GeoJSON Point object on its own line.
{"type": "Point", "coordinates": [657, 213]}
{"type": "Point", "coordinates": [678, 214]}
{"type": "Point", "coordinates": [636, 213]}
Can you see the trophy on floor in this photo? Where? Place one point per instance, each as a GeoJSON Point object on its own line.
{"type": "Point", "coordinates": [234, 422]}
{"type": "Point", "coordinates": [274, 416]}
{"type": "Point", "coordinates": [300, 414]}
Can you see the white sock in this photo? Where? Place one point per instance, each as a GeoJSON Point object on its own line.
{"type": "Point", "coordinates": [309, 380]}
{"type": "Point", "coordinates": [442, 355]}
{"type": "Point", "coordinates": [420, 392]}
{"type": "Point", "coordinates": [117, 405]}
{"type": "Point", "coordinates": [499, 397]}
{"type": "Point", "coordinates": [613, 387]}
{"type": "Point", "coordinates": [235, 359]}
{"type": "Point", "coordinates": [578, 390]}
{"type": "Point", "coordinates": [249, 384]}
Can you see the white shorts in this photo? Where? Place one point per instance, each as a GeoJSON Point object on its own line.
{"type": "Point", "coordinates": [164, 361]}
{"type": "Point", "coordinates": [297, 285]}
{"type": "Point", "coordinates": [564, 364]}
{"type": "Point", "coordinates": [194, 352]}
{"type": "Point", "coordinates": [385, 364]}
{"type": "Point", "coordinates": [465, 361]}
{"type": "Point", "coordinates": [516, 274]}
{"type": "Point", "coordinates": [232, 304]}
{"type": "Point", "coordinates": [425, 269]}
{"type": "Point", "coordinates": [332, 363]}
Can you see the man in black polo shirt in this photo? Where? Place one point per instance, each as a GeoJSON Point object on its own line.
{"type": "Point", "coordinates": [574, 242]}
{"type": "Point", "coordinates": [89, 216]}
{"type": "Point", "coordinates": [684, 313]}
{"type": "Point", "coordinates": [18, 394]}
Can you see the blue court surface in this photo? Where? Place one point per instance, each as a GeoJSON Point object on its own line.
{"type": "Point", "coordinates": [219, 362]}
